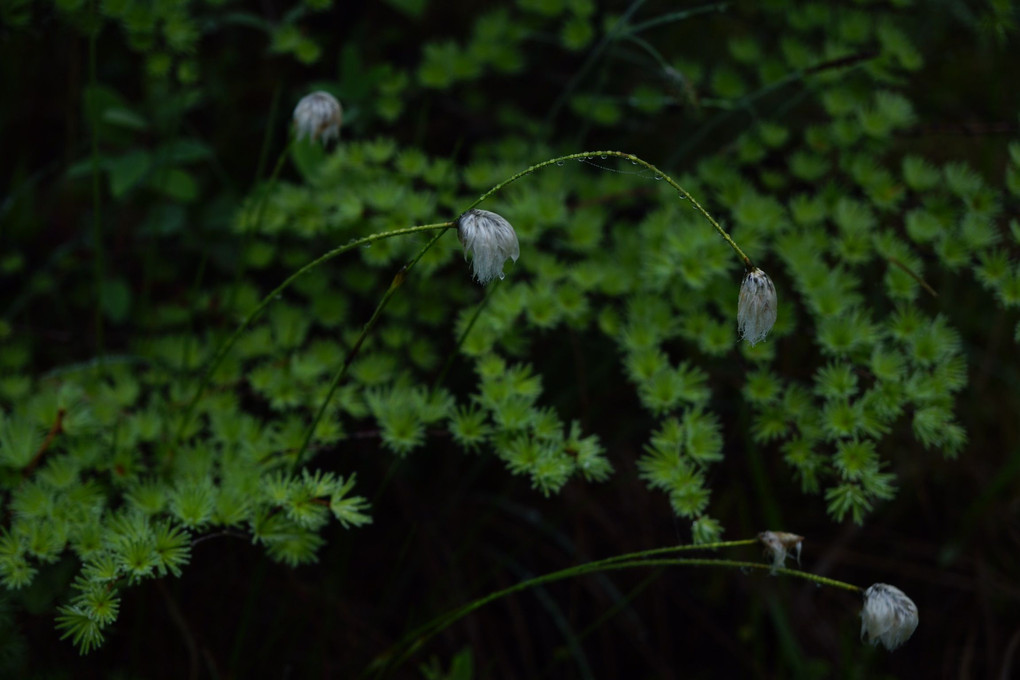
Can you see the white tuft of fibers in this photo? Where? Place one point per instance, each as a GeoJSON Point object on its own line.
{"type": "Point", "coordinates": [889, 617]}
{"type": "Point", "coordinates": [756, 307]}
{"type": "Point", "coordinates": [318, 116]}
{"type": "Point", "coordinates": [490, 240]}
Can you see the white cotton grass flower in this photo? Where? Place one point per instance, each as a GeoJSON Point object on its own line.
{"type": "Point", "coordinates": [756, 309]}
{"type": "Point", "coordinates": [779, 544]}
{"type": "Point", "coordinates": [318, 116]}
{"type": "Point", "coordinates": [490, 240]}
{"type": "Point", "coordinates": [889, 616]}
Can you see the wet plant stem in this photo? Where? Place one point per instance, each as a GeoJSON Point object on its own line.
{"type": "Point", "coordinates": [402, 274]}
{"type": "Point", "coordinates": [228, 344]}
{"type": "Point", "coordinates": [395, 284]}
{"type": "Point", "coordinates": [659, 174]}
{"type": "Point", "coordinates": [644, 559]}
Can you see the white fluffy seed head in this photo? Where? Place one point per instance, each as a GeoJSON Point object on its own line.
{"type": "Point", "coordinates": [490, 240]}
{"type": "Point", "coordinates": [318, 116]}
{"type": "Point", "coordinates": [756, 308]}
{"type": "Point", "coordinates": [778, 544]}
{"type": "Point", "coordinates": [889, 617]}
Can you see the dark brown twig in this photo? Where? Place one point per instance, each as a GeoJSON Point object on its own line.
{"type": "Point", "coordinates": [58, 428]}
{"type": "Point", "coordinates": [929, 289]}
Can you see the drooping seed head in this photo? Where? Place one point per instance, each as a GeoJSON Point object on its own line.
{"type": "Point", "coordinates": [318, 116]}
{"type": "Point", "coordinates": [778, 544]}
{"type": "Point", "coordinates": [889, 617]}
{"type": "Point", "coordinates": [756, 308]}
{"type": "Point", "coordinates": [490, 240]}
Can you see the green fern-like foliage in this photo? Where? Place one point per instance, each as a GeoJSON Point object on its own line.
{"type": "Point", "coordinates": [623, 290]}
{"type": "Point", "coordinates": [127, 507]}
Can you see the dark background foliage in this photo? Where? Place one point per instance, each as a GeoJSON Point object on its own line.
{"type": "Point", "coordinates": [449, 527]}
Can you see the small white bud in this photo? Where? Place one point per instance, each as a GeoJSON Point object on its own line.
{"type": "Point", "coordinates": [889, 616]}
{"type": "Point", "coordinates": [778, 545]}
{"type": "Point", "coordinates": [490, 240]}
{"type": "Point", "coordinates": [318, 116]}
{"type": "Point", "coordinates": [756, 309]}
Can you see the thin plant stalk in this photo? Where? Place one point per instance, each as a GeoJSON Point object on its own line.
{"type": "Point", "coordinates": [418, 637]}
{"type": "Point", "coordinates": [928, 289]}
{"type": "Point", "coordinates": [676, 16]}
{"type": "Point", "coordinates": [747, 102]}
{"type": "Point", "coordinates": [640, 557]}
{"type": "Point", "coordinates": [228, 344]}
{"type": "Point", "coordinates": [617, 29]}
{"type": "Point", "coordinates": [399, 278]}
{"type": "Point", "coordinates": [586, 155]}
{"type": "Point", "coordinates": [647, 47]}
{"type": "Point", "coordinates": [401, 275]}
{"type": "Point", "coordinates": [395, 284]}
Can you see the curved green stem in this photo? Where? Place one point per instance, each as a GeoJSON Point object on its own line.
{"type": "Point", "coordinates": [586, 155]}
{"type": "Point", "coordinates": [747, 102]}
{"type": "Point", "coordinates": [647, 47]}
{"type": "Point", "coordinates": [618, 27]}
{"type": "Point", "coordinates": [401, 275]}
{"type": "Point", "coordinates": [422, 634]}
{"type": "Point", "coordinates": [676, 16]}
{"type": "Point", "coordinates": [397, 281]}
{"type": "Point", "coordinates": [226, 346]}
{"type": "Point", "coordinates": [653, 552]}
{"type": "Point", "coordinates": [620, 563]}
